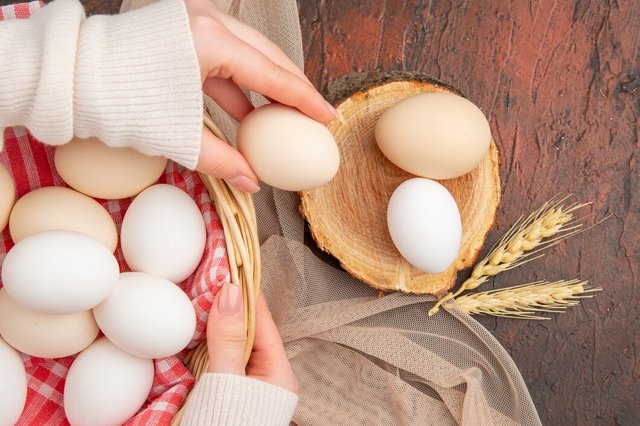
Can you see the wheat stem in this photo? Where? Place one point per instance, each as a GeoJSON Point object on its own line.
{"type": "Point", "coordinates": [527, 300]}
{"type": "Point", "coordinates": [543, 228]}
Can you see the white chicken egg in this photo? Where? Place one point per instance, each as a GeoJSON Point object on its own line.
{"type": "Point", "coordinates": [13, 386]}
{"type": "Point", "coordinates": [59, 272]}
{"type": "Point", "coordinates": [147, 316]}
{"type": "Point", "coordinates": [106, 386]}
{"type": "Point", "coordinates": [424, 223]}
{"type": "Point", "coordinates": [163, 233]}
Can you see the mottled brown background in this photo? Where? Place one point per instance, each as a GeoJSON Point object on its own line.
{"type": "Point", "coordinates": [560, 83]}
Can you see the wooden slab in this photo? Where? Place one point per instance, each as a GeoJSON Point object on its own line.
{"type": "Point", "coordinates": [347, 217]}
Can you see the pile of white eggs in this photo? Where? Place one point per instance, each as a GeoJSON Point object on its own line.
{"type": "Point", "coordinates": [62, 283]}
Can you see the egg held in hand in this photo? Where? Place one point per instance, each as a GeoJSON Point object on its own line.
{"type": "Point", "coordinates": [424, 223]}
{"type": "Point", "coordinates": [163, 233]}
{"type": "Point", "coordinates": [288, 150]}
{"type": "Point", "coordinates": [106, 386]}
{"type": "Point", "coordinates": [434, 135]}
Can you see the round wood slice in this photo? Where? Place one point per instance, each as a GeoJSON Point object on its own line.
{"type": "Point", "coordinates": [347, 217]}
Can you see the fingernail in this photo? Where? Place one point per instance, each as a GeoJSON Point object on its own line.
{"type": "Point", "coordinates": [331, 109]}
{"type": "Point", "coordinates": [246, 184]}
{"type": "Point", "coordinates": [230, 300]}
{"type": "Point", "coordinates": [337, 114]}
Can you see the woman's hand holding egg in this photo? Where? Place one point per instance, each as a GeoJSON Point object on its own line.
{"type": "Point", "coordinates": [234, 56]}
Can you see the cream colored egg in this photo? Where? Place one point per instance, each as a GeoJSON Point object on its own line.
{"type": "Point", "coordinates": [106, 386]}
{"type": "Point", "coordinates": [59, 272]}
{"type": "Point", "coordinates": [434, 135]}
{"type": "Point", "coordinates": [7, 196]}
{"type": "Point", "coordinates": [42, 335]}
{"type": "Point", "coordinates": [13, 385]}
{"type": "Point", "coordinates": [287, 149]}
{"type": "Point", "coordinates": [55, 207]}
{"type": "Point", "coordinates": [97, 170]}
{"type": "Point", "coordinates": [147, 316]}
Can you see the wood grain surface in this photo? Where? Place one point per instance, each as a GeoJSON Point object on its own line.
{"type": "Point", "coordinates": [356, 232]}
{"type": "Point", "coordinates": [560, 84]}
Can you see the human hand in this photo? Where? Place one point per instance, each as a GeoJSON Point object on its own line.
{"type": "Point", "coordinates": [226, 340]}
{"type": "Point", "coordinates": [233, 55]}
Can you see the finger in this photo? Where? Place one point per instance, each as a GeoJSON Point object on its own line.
{"type": "Point", "coordinates": [229, 96]}
{"type": "Point", "coordinates": [226, 335]}
{"type": "Point", "coordinates": [268, 338]}
{"type": "Point", "coordinates": [251, 69]}
{"type": "Point", "coordinates": [219, 159]}
{"type": "Point", "coordinates": [255, 38]}
{"type": "Point", "coordinates": [269, 359]}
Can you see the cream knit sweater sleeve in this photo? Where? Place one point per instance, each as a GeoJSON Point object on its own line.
{"type": "Point", "coordinates": [232, 400]}
{"type": "Point", "coordinates": [131, 79]}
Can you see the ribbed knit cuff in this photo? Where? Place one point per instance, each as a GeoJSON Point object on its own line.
{"type": "Point", "coordinates": [232, 400]}
{"type": "Point", "coordinates": [138, 82]}
{"type": "Point", "coordinates": [37, 68]}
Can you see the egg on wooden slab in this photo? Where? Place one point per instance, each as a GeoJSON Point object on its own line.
{"type": "Point", "coordinates": [106, 386]}
{"type": "Point", "coordinates": [163, 233]}
{"type": "Point", "coordinates": [95, 169]}
{"type": "Point", "coordinates": [147, 316]}
{"type": "Point", "coordinates": [59, 272]}
{"type": "Point", "coordinates": [7, 196]}
{"type": "Point", "coordinates": [425, 225]}
{"type": "Point", "coordinates": [286, 149]}
{"type": "Point", "coordinates": [44, 335]}
{"type": "Point", "coordinates": [54, 207]}
{"type": "Point", "coordinates": [434, 135]}
{"type": "Point", "coordinates": [13, 386]}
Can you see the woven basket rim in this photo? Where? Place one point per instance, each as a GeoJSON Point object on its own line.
{"type": "Point", "coordinates": [236, 211]}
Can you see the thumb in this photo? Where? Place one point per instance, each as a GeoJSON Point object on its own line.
{"type": "Point", "coordinates": [226, 335]}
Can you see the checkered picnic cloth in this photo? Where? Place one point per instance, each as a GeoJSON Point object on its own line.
{"type": "Point", "coordinates": [31, 165]}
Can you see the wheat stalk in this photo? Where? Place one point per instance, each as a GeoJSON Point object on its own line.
{"type": "Point", "coordinates": [543, 228]}
{"type": "Point", "coordinates": [525, 301]}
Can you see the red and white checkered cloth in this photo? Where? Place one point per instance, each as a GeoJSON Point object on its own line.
{"type": "Point", "coordinates": [31, 165]}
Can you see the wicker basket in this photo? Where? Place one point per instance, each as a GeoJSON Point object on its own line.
{"type": "Point", "coordinates": [237, 214]}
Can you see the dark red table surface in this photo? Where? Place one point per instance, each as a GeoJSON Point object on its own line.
{"type": "Point", "coordinates": [560, 84]}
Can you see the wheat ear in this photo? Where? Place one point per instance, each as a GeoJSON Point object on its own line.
{"type": "Point", "coordinates": [527, 300]}
{"type": "Point", "coordinates": [543, 228]}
